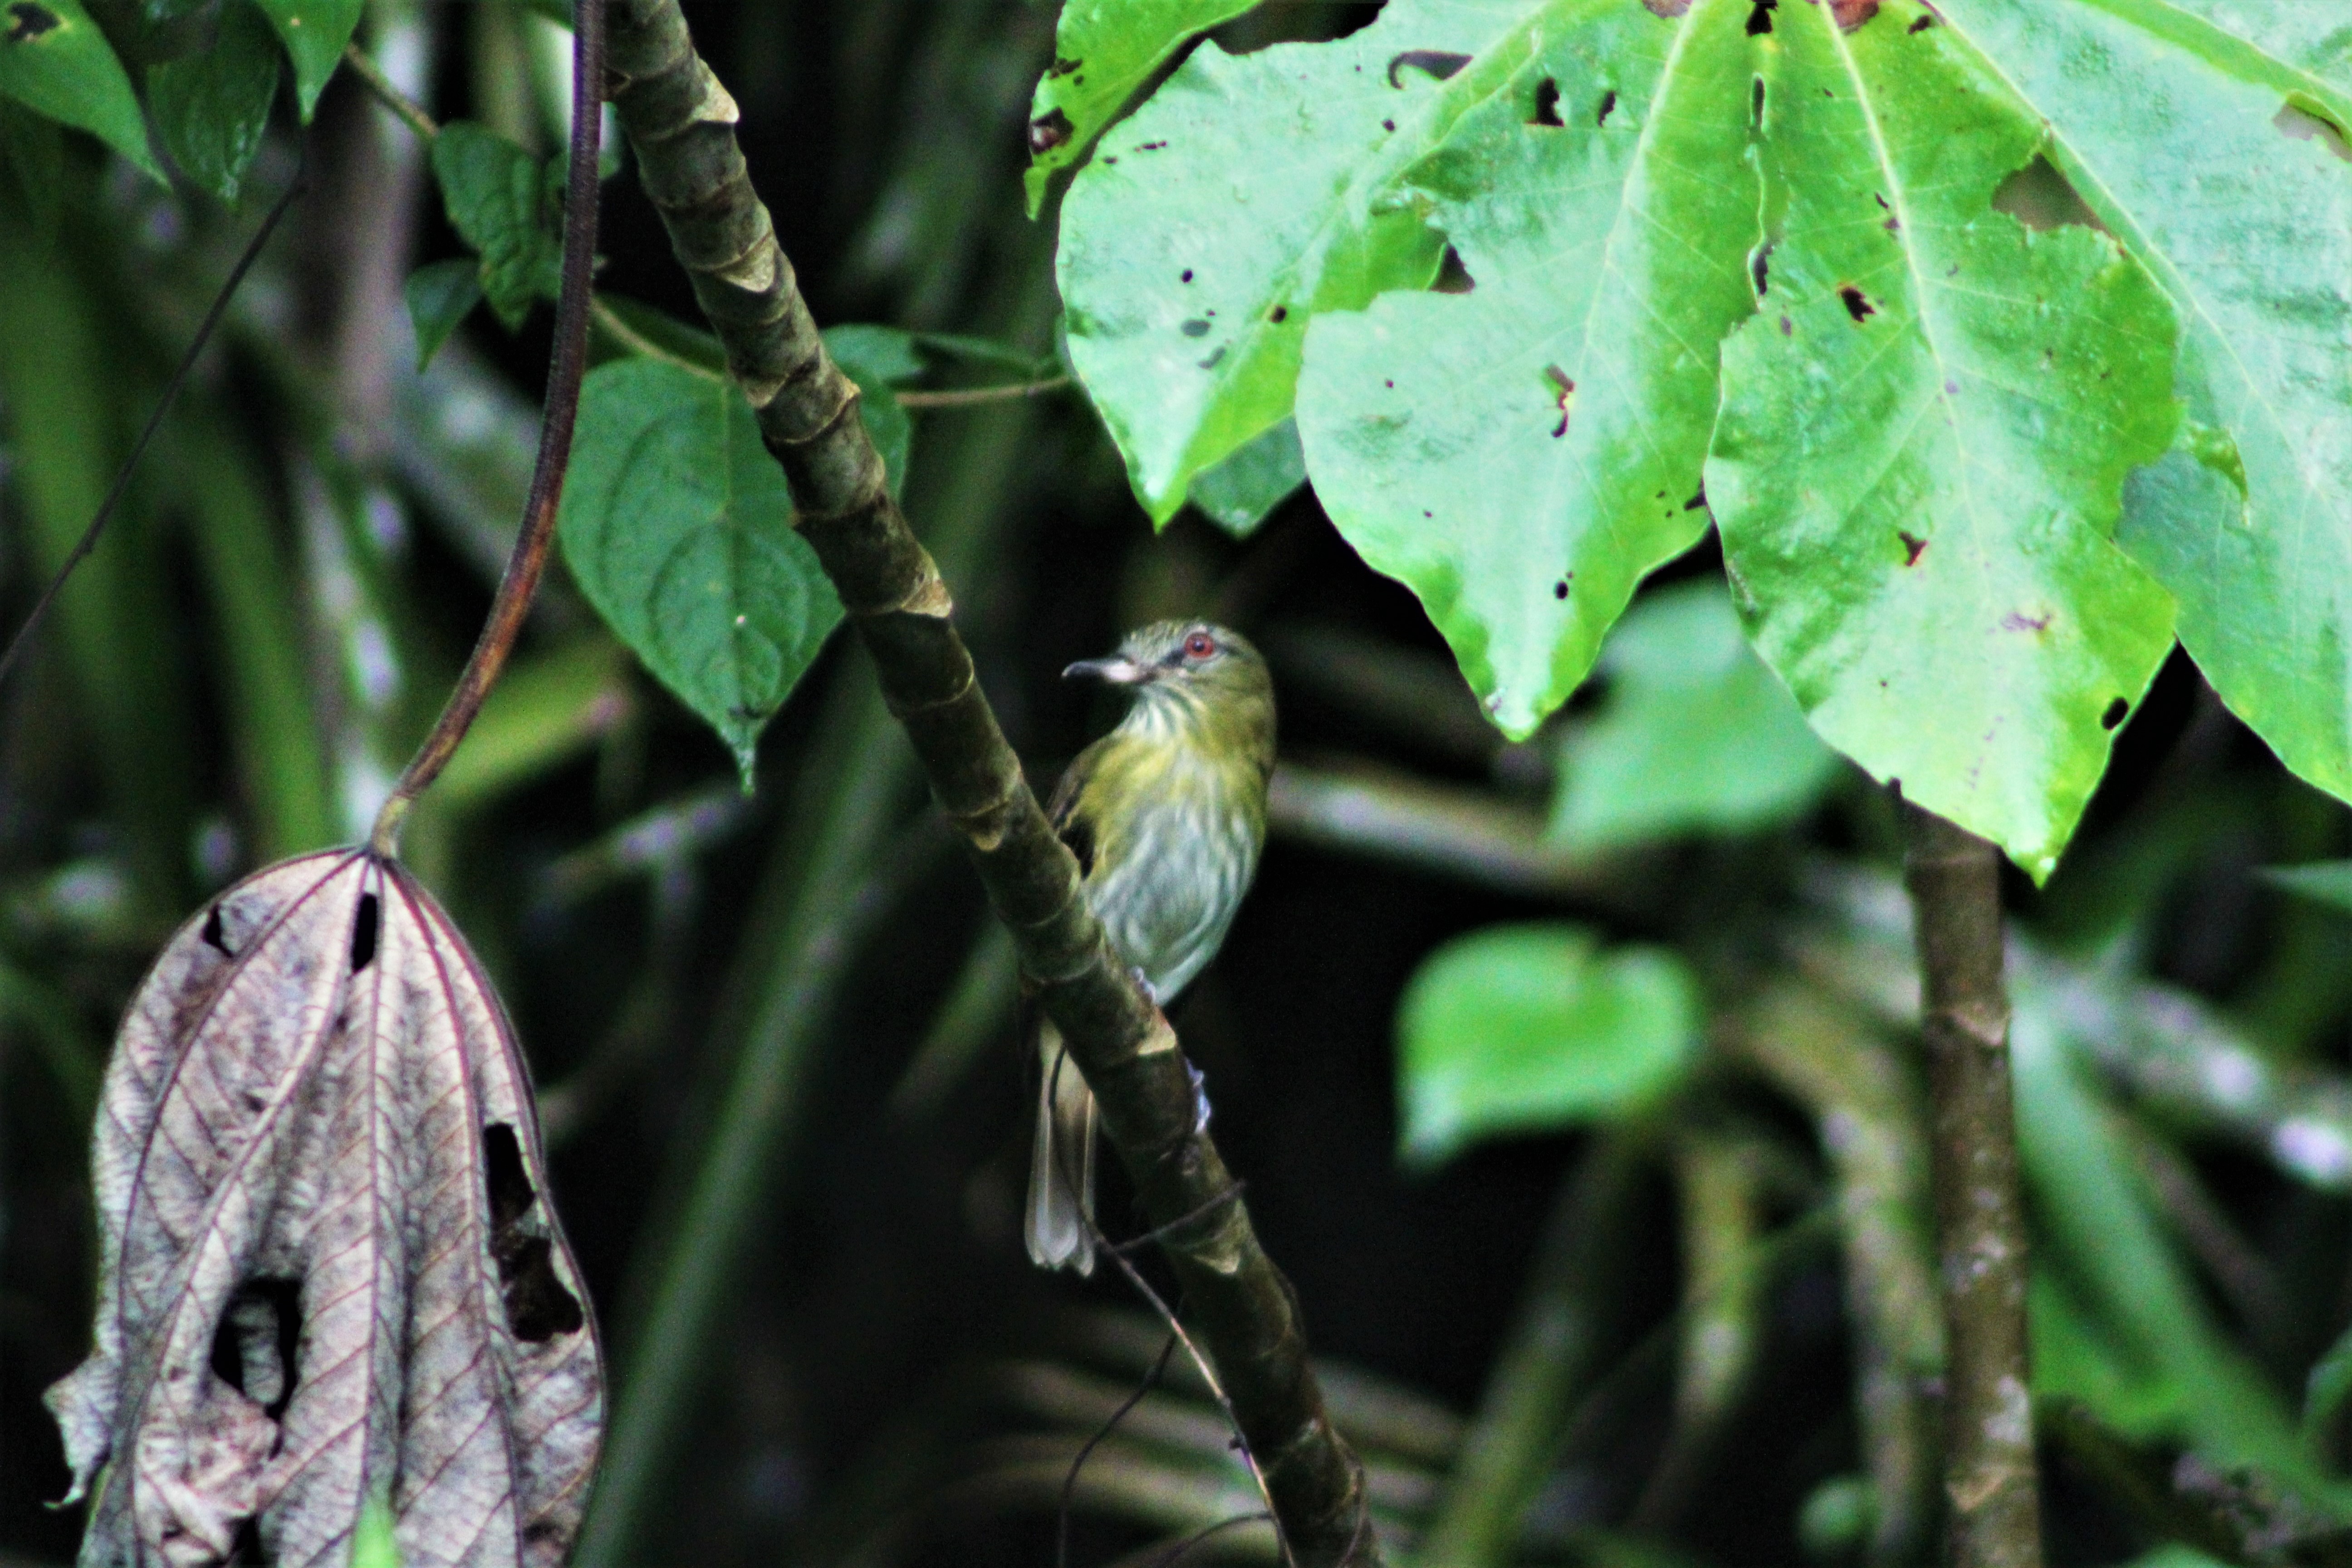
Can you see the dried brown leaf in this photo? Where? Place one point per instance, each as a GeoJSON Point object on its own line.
{"type": "Point", "coordinates": [330, 1270]}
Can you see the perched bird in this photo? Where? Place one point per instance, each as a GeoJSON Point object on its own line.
{"type": "Point", "coordinates": [1166, 815]}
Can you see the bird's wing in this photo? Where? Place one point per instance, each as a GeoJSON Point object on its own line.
{"type": "Point", "coordinates": [1072, 827]}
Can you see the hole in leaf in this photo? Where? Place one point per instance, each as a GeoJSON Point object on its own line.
{"type": "Point", "coordinates": [1547, 103]}
{"type": "Point", "coordinates": [1756, 104]}
{"type": "Point", "coordinates": [2115, 714]}
{"type": "Point", "coordinates": [1857, 303]}
{"type": "Point", "coordinates": [1925, 21]}
{"type": "Point", "coordinates": [213, 936]}
{"type": "Point", "coordinates": [2303, 123]}
{"type": "Point", "coordinates": [1047, 131]}
{"type": "Point", "coordinates": [1563, 396]}
{"type": "Point", "coordinates": [1759, 20]}
{"type": "Point", "coordinates": [2042, 198]}
{"type": "Point", "coordinates": [1608, 105]}
{"type": "Point", "coordinates": [1453, 277]}
{"type": "Point", "coordinates": [1195, 328]}
{"type": "Point", "coordinates": [1760, 267]}
{"type": "Point", "coordinates": [1699, 499]}
{"type": "Point", "coordinates": [28, 21]}
{"type": "Point", "coordinates": [1062, 67]}
{"type": "Point", "coordinates": [1853, 14]}
{"type": "Point", "coordinates": [1559, 589]}
{"type": "Point", "coordinates": [1278, 315]}
{"type": "Point", "coordinates": [1912, 545]}
{"type": "Point", "coordinates": [363, 931]}
{"type": "Point", "coordinates": [1185, 275]}
{"type": "Point", "coordinates": [256, 1343]}
{"type": "Point", "coordinates": [1438, 63]}
{"type": "Point", "coordinates": [538, 1306]}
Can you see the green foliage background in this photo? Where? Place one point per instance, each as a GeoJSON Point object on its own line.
{"type": "Point", "coordinates": [1572, 1072]}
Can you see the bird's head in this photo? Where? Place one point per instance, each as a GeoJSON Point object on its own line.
{"type": "Point", "coordinates": [1196, 675]}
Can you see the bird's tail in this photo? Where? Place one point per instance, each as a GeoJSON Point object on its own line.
{"type": "Point", "coordinates": [1060, 1221]}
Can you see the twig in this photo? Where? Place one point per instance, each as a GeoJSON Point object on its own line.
{"type": "Point", "coordinates": [372, 77]}
{"type": "Point", "coordinates": [1954, 879]}
{"type": "Point", "coordinates": [1086, 1450]}
{"type": "Point", "coordinates": [180, 373]}
{"type": "Point", "coordinates": [611, 322]}
{"type": "Point", "coordinates": [967, 396]}
{"type": "Point", "coordinates": [680, 123]}
{"type": "Point", "coordinates": [520, 582]}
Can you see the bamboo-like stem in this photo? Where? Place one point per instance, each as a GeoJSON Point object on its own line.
{"type": "Point", "coordinates": [680, 122]}
{"type": "Point", "coordinates": [1990, 1479]}
{"type": "Point", "coordinates": [569, 364]}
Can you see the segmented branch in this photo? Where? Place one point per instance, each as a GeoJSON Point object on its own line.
{"type": "Point", "coordinates": [681, 124]}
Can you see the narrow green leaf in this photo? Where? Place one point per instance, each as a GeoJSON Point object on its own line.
{"type": "Point", "coordinates": [440, 295]}
{"type": "Point", "coordinates": [546, 710]}
{"type": "Point", "coordinates": [676, 525]}
{"type": "Point", "coordinates": [1694, 734]}
{"type": "Point", "coordinates": [373, 1545]}
{"type": "Point", "coordinates": [1238, 493]}
{"type": "Point", "coordinates": [495, 193]}
{"type": "Point", "coordinates": [1925, 433]}
{"type": "Point", "coordinates": [212, 107]}
{"type": "Point", "coordinates": [1521, 454]}
{"type": "Point", "coordinates": [2325, 883]}
{"type": "Point", "coordinates": [2099, 1230]}
{"type": "Point", "coordinates": [1103, 50]}
{"type": "Point", "coordinates": [2219, 160]}
{"type": "Point", "coordinates": [53, 58]}
{"type": "Point", "coordinates": [1250, 192]}
{"type": "Point", "coordinates": [1534, 1028]}
{"type": "Point", "coordinates": [315, 32]}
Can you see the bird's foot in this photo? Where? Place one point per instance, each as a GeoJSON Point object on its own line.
{"type": "Point", "coordinates": [1143, 983]}
{"type": "Point", "coordinates": [1200, 1097]}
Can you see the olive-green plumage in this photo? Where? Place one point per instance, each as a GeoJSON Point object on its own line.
{"type": "Point", "coordinates": [1166, 815]}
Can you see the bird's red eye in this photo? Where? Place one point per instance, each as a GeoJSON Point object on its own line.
{"type": "Point", "coordinates": [1200, 644]}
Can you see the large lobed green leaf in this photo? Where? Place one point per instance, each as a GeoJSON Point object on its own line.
{"type": "Point", "coordinates": [2208, 134]}
{"type": "Point", "coordinates": [1249, 192]}
{"type": "Point", "coordinates": [1520, 455]}
{"type": "Point", "coordinates": [1104, 50]}
{"type": "Point", "coordinates": [54, 59]}
{"type": "Point", "coordinates": [1925, 434]}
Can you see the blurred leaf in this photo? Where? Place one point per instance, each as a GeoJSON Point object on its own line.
{"type": "Point", "coordinates": [263, 652]}
{"type": "Point", "coordinates": [1917, 481]}
{"type": "Point", "coordinates": [2075, 1357]}
{"type": "Point", "coordinates": [1238, 493]}
{"type": "Point", "coordinates": [2183, 1378]}
{"type": "Point", "coordinates": [35, 1009]}
{"type": "Point", "coordinates": [440, 295]}
{"type": "Point", "coordinates": [212, 107]}
{"type": "Point", "coordinates": [315, 32]}
{"type": "Point", "coordinates": [2173, 1554]}
{"type": "Point", "coordinates": [886, 354]}
{"type": "Point", "coordinates": [1837, 1518]}
{"type": "Point", "coordinates": [373, 1546]}
{"type": "Point", "coordinates": [1191, 259]}
{"type": "Point", "coordinates": [2325, 883]}
{"type": "Point", "coordinates": [695, 345]}
{"type": "Point", "coordinates": [32, 147]}
{"type": "Point", "coordinates": [54, 59]}
{"type": "Point", "coordinates": [1104, 50]}
{"type": "Point", "coordinates": [544, 712]}
{"type": "Point", "coordinates": [1534, 1027]}
{"type": "Point", "coordinates": [1519, 455]}
{"type": "Point", "coordinates": [495, 194]}
{"type": "Point", "coordinates": [2325, 1390]}
{"type": "Point", "coordinates": [1695, 735]}
{"type": "Point", "coordinates": [676, 525]}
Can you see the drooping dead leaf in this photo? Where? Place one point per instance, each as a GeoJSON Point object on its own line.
{"type": "Point", "coordinates": [330, 1270]}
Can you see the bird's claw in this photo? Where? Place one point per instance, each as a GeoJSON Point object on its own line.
{"type": "Point", "coordinates": [1200, 1097]}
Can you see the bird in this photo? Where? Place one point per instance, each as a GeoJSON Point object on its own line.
{"type": "Point", "coordinates": [1166, 816]}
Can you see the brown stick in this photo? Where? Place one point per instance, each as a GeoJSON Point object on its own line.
{"type": "Point", "coordinates": [1990, 1479]}
{"type": "Point", "coordinates": [569, 364]}
{"type": "Point", "coordinates": [680, 122]}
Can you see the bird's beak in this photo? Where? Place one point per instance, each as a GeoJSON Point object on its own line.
{"type": "Point", "coordinates": [1116, 671]}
